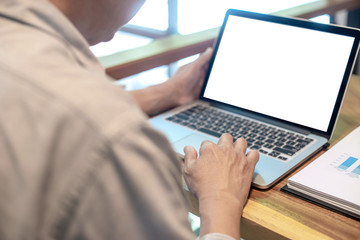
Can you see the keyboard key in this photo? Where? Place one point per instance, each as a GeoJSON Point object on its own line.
{"type": "Point", "coordinates": [285, 151]}
{"type": "Point", "coordinates": [290, 148]}
{"type": "Point", "coordinates": [268, 146]}
{"type": "Point", "coordinates": [207, 131]}
{"type": "Point", "coordinates": [274, 154]}
{"type": "Point", "coordinates": [291, 143]}
{"type": "Point", "coordinates": [301, 141]}
{"type": "Point", "coordinates": [269, 141]}
{"type": "Point", "coordinates": [259, 143]}
{"type": "Point", "coordinates": [263, 151]}
{"type": "Point", "coordinates": [182, 116]}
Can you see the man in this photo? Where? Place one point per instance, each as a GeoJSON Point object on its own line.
{"type": "Point", "coordinates": [78, 159]}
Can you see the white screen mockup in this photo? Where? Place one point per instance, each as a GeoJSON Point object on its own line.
{"type": "Point", "coordinates": [286, 72]}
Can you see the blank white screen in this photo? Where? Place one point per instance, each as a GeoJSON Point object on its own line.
{"type": "Point", "coordinates": [282, 71]}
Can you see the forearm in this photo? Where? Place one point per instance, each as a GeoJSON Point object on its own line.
{"type": "Point", "coordinates": [220, 215]}
{"type": "Point", "coordinates": [154, 99]}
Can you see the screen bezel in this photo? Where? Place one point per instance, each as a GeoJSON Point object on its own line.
{"type": "Point", "coordinates": [307, 24]}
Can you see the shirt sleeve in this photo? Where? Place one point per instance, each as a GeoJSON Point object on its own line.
{"type": "Point", "coordinates": [216, 236]}
{"type": "Point", "coordinates": [136, 192]}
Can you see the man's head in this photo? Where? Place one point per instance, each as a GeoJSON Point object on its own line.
{"type": "Point", "coordinates": [98, 20]}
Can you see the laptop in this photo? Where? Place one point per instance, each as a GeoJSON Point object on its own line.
{"type": "Point", "coordinates": [276, 81]}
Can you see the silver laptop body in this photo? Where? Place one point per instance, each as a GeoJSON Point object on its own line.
{"type": "Point", "coordinates": [284, 75]}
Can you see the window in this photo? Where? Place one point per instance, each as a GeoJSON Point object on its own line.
{"type": "Point", "coordinates": [152, 15]}
{"type": "Point", "coordinates": [164, 17]}
{"type": "Point", "coordinates": [160, 18]}
{"type": "Point", "coordinates": [210, 13]}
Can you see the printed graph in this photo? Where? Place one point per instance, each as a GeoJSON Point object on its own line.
{"type": "Point", "coordinates": [357, 170]}
{"type": "Point", "coordinates": [350, 164]}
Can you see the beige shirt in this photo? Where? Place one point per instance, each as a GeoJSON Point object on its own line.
{"type": "Point", "coordinates": [78, 159]}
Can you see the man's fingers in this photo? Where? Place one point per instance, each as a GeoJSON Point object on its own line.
{"type": "Point", "coordinates": [241, 145]}
{"type": "Point", "coordinates": [204, 145]}
{"type": "Point", "coordinates": [225, 139]}
{"type": "Point", "coordinates": [190, 156]}
{"type": "Point", "coordinates": [253, 157]}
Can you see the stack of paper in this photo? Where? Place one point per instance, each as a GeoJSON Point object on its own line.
{"type": "Point", "coordinates": [333, 179]}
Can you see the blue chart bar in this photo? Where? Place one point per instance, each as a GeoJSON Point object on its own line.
{"type": "Point", "coordinates": [357, 170]}
{"type": "Point", "coordinates": [350, 161]}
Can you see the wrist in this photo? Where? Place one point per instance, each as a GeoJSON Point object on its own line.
{"type": "Point", "coordinates": [171, 93]}
{"type": "Point", "coordinates": [155, 98]}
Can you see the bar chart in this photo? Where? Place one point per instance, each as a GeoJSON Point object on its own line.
{"type": "Point", "coordinates": [357, 170]}
{"type": "Point", "coordinates": [350, 164]}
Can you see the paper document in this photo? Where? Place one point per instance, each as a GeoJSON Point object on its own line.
{"type": "Point", "coordinates": [334, 178]}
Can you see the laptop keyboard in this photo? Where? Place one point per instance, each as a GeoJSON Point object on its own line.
{"type": "Point", "coordinates": [269, 140]}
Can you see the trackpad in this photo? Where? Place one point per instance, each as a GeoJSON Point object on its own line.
{"type": "Point", "coordinates": [194, 140]}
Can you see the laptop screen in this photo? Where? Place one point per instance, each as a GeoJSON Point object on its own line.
{"type": "Point", "coordinates": [283, 71]}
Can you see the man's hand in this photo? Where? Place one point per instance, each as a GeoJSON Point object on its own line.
{"type": "Point", "coordinates": [183, 87]}
{"type": "Point", "coordinates": [221, 178]}
{"type": "Point", "coordinates": [188, 80]}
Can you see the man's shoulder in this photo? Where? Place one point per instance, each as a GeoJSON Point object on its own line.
{"type": "Point", "coordinates": [77, 94]}
{"type": "Point", "coordinates": [53, 72]}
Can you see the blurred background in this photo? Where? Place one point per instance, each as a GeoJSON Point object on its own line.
{"type": "Point", "coordinates": [161, 18]}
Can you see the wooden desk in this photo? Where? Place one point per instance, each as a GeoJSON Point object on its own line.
{"type": "Point", "coordinates": [273, 214]}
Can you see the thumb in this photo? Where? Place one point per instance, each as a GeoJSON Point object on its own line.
{"type": "Point", "coordinates": [204, 58]}
{"type": "Point", "coordinates": [253, 157]}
